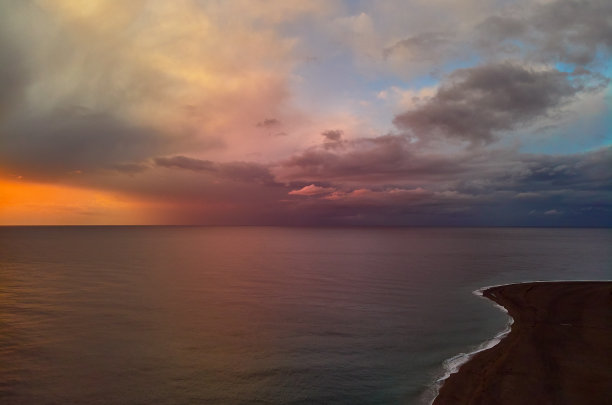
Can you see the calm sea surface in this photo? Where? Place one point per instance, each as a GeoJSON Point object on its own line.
{"type": "Point", "coordinates": [195, 315]}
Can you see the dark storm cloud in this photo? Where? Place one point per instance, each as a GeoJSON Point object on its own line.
{"type": "Point", "coordinates": [566, 30]}
{"type": "Point", "coordinates": [572, 182]}
{"type": "Point", "coordinates": [382, 159]}
{"type": "Point", "coordinates": [74, 102]}
{"type": "Point", "coordinates": [13, 75]}
{"type": "Point", "coordinates": [574, 189]}
{"type": "Point", "coordinates": [70, 140]}
{"type": "Point", "coordinates": [247, 172]}
{"type": "Point", "coordinates": [389, 180]}
{"type": "Point", "coordinates": [474, 187]}
{"type": "Point", "coordinates": [579, 172]}
{"type": "Point", "coordinates": [477, 103]}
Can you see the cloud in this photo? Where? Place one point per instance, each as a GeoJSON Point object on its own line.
{"type": "Point", "coordinates": [64, 141]}
{"type": "Point", "coordinates": [333, 135]}
{"type": "Point", "coordinates": [130, 168]}
{"type": "Point", "coordinates": [312, 190]}
{"type": "Point", "coordinates": [110, 83]}
{"type": "Point", "coordinates": [577, 172]}
{"type": "Point", "coordinates": [378, 179]}
{"type": "Point", "coordinates": [426, 46]}
{"type": "Point", "coordinates": [528, 195]}
{"type": "Point", "coordinates": [476, 104]}
{"type": "Point", "coordinates": [166, 102]}
{"type": "Point", "coordinates": [248, 172]}
{"type": "Point", "coordinates": [434, 37]}
{"type": "Point", "coordinates": [13, 75]}
{"type": "Point", "coordinates": [388, 197]}
{"type": "Point", "coordinates": [385, 158]}
{"type": "Point", "coordinates": [333, 139]}
{"type": "Point", "coordinates": [268, 122]}
{"type": "Point", "coordinates": [571, 31]}
{"type": "Point", "coordinates": [182, 162]}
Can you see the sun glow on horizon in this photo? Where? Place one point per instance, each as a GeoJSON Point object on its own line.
{"type": "Point", "coordinates": [25, 203]}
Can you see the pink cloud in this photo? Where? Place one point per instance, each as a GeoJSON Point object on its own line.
{"type": "Point", "coordinates": [312, 190]}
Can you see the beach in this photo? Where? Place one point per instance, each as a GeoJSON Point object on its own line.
{"type": "Point", "coordinates": [559, 350]}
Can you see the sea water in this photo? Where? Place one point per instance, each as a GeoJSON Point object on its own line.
{"type": "Point", "coordinates": [261, 315]}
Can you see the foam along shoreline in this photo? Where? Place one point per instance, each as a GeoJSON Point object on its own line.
{"type": "Point", "coordinates": [453, 364]}
{"type": "Point", "coordinates": [558, 350]}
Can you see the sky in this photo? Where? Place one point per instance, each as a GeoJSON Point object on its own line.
{"type": "Point", "coordinates": [306, 113]}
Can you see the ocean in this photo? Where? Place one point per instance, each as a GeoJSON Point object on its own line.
{"type": "Point", "coordinates": [260, 315]}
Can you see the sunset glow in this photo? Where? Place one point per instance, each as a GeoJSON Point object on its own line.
{"type": "Point", "coordinates": [25, 203]}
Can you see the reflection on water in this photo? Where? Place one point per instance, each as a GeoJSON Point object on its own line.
{"type": "Point", "coordinates": [169, 315]}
